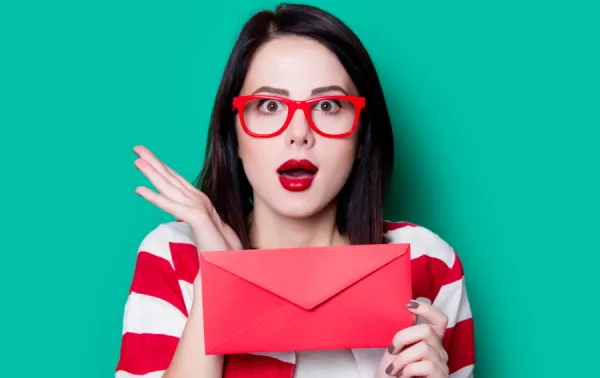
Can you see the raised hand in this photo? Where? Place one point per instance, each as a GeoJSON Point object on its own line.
{"type": "Point", "coordinates": [182, 200]}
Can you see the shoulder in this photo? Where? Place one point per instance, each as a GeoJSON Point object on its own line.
{"type": "Point", "coordinates": [166, 266]}
{"type": "Point", "coordinates": [437, 271]}
{"type": "Point", "coordinates": [168, 241]}
{"type": "Point", "coordinates": [423, 242]}
{"type": "Point", "coordinates": [167, 258]}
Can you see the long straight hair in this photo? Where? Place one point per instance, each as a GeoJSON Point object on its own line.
{"type": "Point", "coordinates": [361, 200]}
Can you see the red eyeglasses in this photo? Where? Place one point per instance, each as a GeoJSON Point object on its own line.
{"type": "Point", "coordinates": [265, 116]}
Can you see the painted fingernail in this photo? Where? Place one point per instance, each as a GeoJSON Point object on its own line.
{"type": "Point", "coordinates": [399, 374]}
{"type": "Point", "coordinates": [391, 348]}
{"type": "Point", "coordinates": [389, 369]}
{"type": "Point", "coordinates": [412, 304]}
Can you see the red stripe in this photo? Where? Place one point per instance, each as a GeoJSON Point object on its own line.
{"type": "Point", "coordinates": [429, 275]}
{"type": "Point", "coordinates": [455, 273]}
{"type": "Point", "coordinates": [254, 366]}
{"type": "Point", "coordinates": [155, 277]}
{"type": "Point", "coordinates": [185, 260]}
{"type": "Point", "coordinates": [459, 342]}
{"type": "Point", "coordinates": [390, 226]}
{"type": "Point", "coordinates": [145, 353]}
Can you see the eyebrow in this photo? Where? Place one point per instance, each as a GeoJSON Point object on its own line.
{"type": "Point", "coordinates": [329, 88]}
{"type": "Point", "coordinates": [285, 92]}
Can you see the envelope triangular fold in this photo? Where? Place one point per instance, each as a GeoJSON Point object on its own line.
{"type": "Point", "coordinates": [306, 277]}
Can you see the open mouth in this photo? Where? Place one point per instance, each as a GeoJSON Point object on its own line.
{"type": "Point", "coordinates": [297, 169]}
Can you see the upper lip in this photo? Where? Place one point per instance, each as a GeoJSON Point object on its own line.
{"type": "Point", "coordinates": [298, 164]}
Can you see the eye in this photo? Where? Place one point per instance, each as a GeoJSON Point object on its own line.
{"type": "Point", "coordinates": [329, 106]}
{"type": "Point", "coordinates": [271, 106]}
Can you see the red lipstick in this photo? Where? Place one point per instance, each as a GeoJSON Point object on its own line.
{"type": "Point", "coordinates": [296, 175]}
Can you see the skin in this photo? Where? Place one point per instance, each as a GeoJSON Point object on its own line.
{"type": "Point", "coordinates": [298, 66]}
{"type": "Point", "coordinates": [281, 218]}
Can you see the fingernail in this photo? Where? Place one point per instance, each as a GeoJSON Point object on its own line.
{"type": "Point", "coordinates": [391, 348]}
{"type": "Point", "coordinates": [389, 369]}
{"type": "Point", "coordinates": [399, 374]}
{"type": "Point", "coordinates": [412, 304]}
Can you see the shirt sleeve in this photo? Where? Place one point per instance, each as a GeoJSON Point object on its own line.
{"type": "Point", "coordinates": [158, 302]}
{"type": "Point", "coordinates": [458, 340]}
{"type": "Point", "coordinates": [438, 278]}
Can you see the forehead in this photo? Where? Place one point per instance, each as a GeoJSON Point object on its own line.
{"type": "Point", "coordinates": [296, 64]}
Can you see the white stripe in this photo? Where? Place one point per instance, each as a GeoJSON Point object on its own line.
{"type": "Point", "coordinates": [289, 357]}
{"type": "Point", "coordinates": [368, 360]}
{"type": "Point", "coordinates": [452, 300]}
{"type": "Point", "coordinates": [147, 314]}
{"type": "Point", "coordinates": [423, 242]}
{"type": "Point", "coordinates": [466, 372]}
{"type": "Point", "coordinates": [187, 289]}
{"type": "Point", "coordinates": [154, 374]}
{"type": "Point", "coordinates": [157, 241]}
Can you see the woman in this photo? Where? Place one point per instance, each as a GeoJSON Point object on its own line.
{"type": "Point", "coordinates": [299, 153]}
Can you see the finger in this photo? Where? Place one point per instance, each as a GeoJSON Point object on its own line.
{"type": "Point", "coordinates": [413, 335]}
{"type": "Point", "coordinates": [145, 154]}
{"type": "Point", "coordinates": [174, 208]}
{"type": "Point", "coordinates": [436, 318]}
{"type": "Point", "coordinates": [419, 351]}
{"type": "Point", "coordinates": [160, 182]}
{"type": "Point", "coordinates": [159, 166]}
{"type": "Point", "coordinates": [426, 368]}
{"type": "Point", "coordinates": [181, 180]}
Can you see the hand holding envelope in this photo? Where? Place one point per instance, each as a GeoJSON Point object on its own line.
{"type": "Point", "coordinates": [290, 299]}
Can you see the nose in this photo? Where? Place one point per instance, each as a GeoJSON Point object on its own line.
{"type": "Point", "coordinates": [299, 133]}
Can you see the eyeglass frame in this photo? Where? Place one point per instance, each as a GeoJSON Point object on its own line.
{"type": "Point", "coordinates": [293, 105]}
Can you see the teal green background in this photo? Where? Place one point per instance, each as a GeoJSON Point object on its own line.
{"type": "Point", "coordinates": [495, 106]}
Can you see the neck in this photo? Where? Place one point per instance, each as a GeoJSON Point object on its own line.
{"type": "Point", "coordinates": [269, 230]}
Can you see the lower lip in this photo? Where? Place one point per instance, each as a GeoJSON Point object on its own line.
{"type": "Point", "coordinates": [296, 184]}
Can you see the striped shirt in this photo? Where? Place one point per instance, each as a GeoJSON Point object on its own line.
{"type": "Point", "coordinates": [161, 294]}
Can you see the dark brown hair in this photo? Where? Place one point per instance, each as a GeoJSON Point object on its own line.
{"type": "Point", "coordinates": [360, 202]}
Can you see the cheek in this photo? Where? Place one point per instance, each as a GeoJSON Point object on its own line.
{"type": "Point", "coordinates": [339, 159]}
{"type": "Point", "coordinates": [255, 154]}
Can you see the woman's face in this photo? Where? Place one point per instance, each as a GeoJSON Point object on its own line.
{"type": "Point", "coordinates": [296, 68]}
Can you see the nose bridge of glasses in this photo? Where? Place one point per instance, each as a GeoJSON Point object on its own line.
{"type": "Point", "coordinates": [296, 107]}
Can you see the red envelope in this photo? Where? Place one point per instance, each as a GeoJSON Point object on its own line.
{"type": "Point", "coordinates": [293, 299]}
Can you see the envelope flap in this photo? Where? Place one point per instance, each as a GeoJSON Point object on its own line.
{"type": "Point", "coordinates": [306, 276]}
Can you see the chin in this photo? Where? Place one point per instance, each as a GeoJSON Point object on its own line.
{"type": "Point", "coordinates": [298, 208]}
{"type": "Point", "coordinates": [299, 205]}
